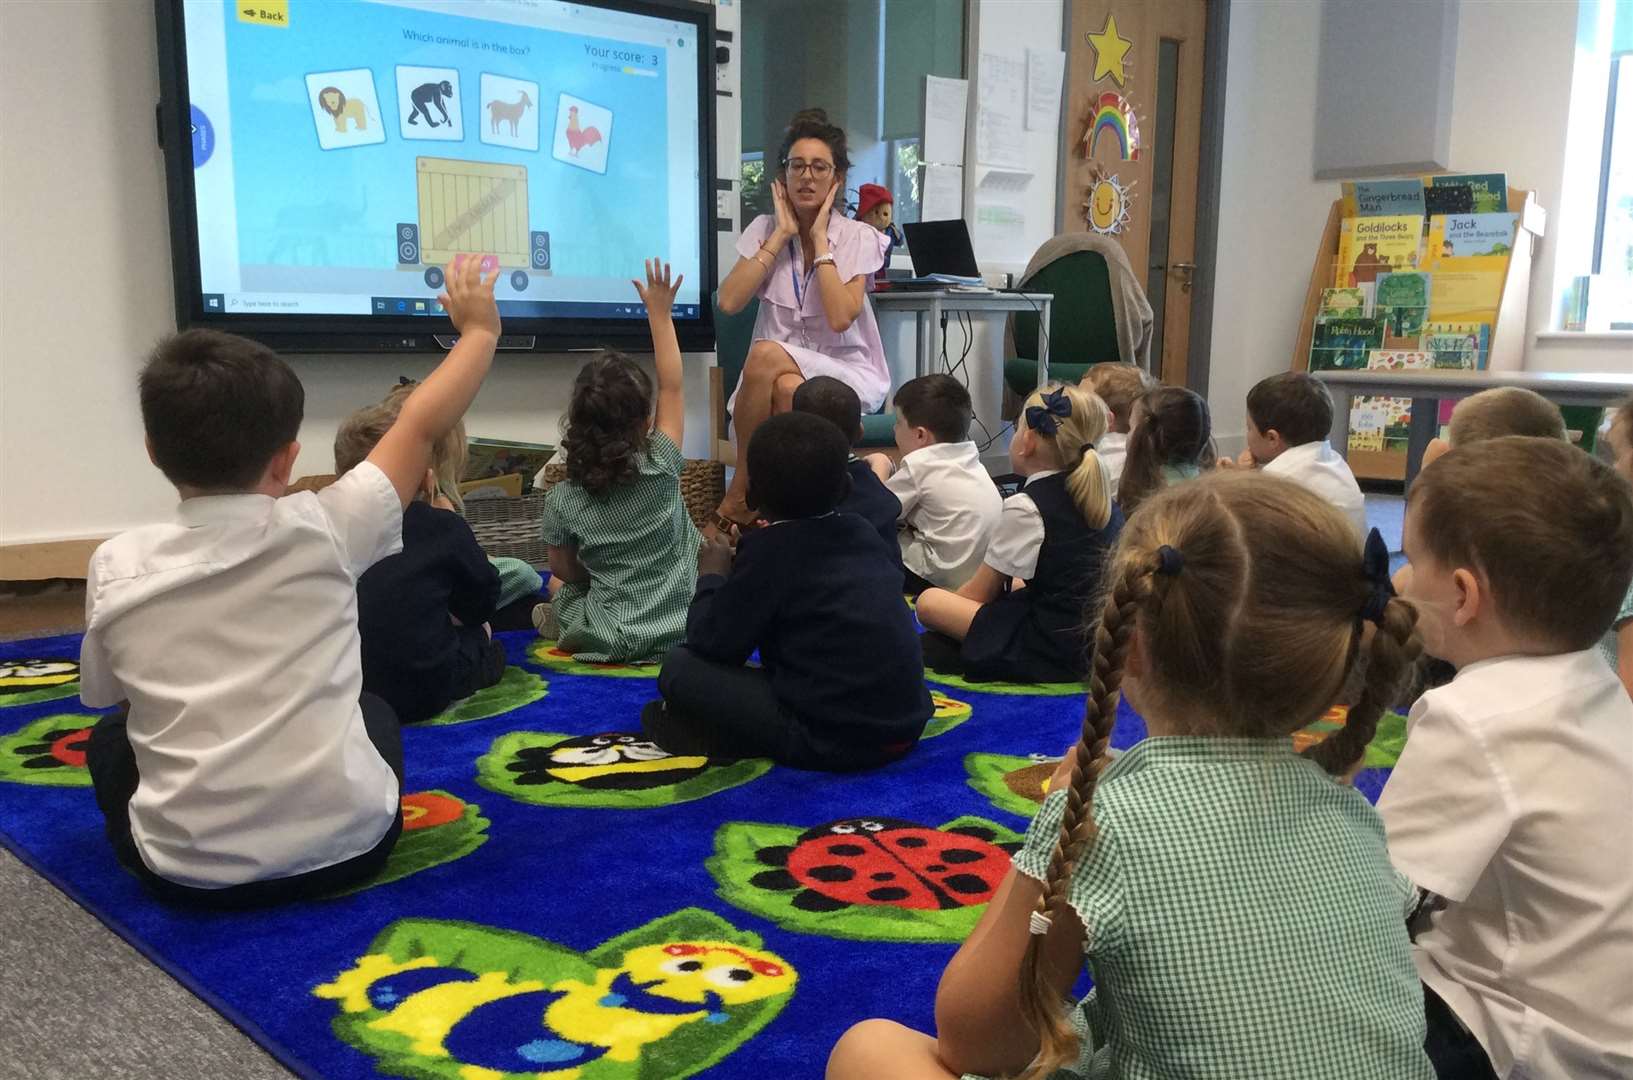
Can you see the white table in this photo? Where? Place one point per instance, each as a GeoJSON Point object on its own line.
{"type": "Point", "coordinates": [929, 307]}
{"type": "Point", "coordinates": [1428, 387]}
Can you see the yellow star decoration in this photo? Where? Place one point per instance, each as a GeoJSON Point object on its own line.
{"type": "Point", "coordinates": [1109, 49]}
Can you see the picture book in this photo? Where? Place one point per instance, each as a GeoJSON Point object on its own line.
{"type": "Point", "coordinates": [1460, 346]}
{"type": "Point", "coordinates": [1379, 424]}
{"type": "Point", "coordinates": [1399, 360]}
{"type": "Point", "coordinates": [1467, 289]}
{"type": "Point", "coordinates": [499, 457]}
{"type": "Point", "coordinates": [1369, 246]}
{"type": "Point", "coordinates": [1343, 344]}
{"type": "Point", "coordinates": [1401, 307]}
{"type": "Point", "coordinates": [1383, 198]}
{"type": "Point", "coordinates": [1489, 190]}
{"type": "Point", "coordinates": [1449, 199]}
{"type": "Point", "coordinates": [1454, 235]}
{"type": "Point", "coordinates": [1344, 303]}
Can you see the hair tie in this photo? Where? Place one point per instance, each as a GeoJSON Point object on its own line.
{"type": "Point", "coordinates": [1041, 418]}
{"type": "Point", "coordinates": [1085, 450]}
{"type": "Point", "coordinates": [1038, 925]}
{"type": "Point", "coordinates": [1375, 568]}
{"type": "Point", "coordinates": [1169, 561]}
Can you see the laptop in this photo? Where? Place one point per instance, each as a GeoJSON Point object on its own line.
{"type": "Point", "coordinates": [942, 255]}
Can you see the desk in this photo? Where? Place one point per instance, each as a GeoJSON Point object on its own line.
{"type": "Point", "coordinates": [1428, 387]}
{"type": "Point", "coordinates": [929, 307]}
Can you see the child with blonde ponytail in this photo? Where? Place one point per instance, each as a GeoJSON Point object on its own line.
{"type": "Point", "coordinates": [1233, 901]}
{"type": "Point", "coordinates": [1019, 617]}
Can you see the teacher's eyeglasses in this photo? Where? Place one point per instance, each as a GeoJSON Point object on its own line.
{"type": "Point", "coordinates": [819, 170]}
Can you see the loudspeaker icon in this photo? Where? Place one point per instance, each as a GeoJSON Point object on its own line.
{"type": "Point", "coordinates": [541, 251]}
{"type": "Point", "coordinates": [408, 243]}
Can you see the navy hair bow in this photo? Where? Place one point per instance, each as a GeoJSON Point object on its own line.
{"type": "Point", "coordinates": [1041, 418]}
{"type": "Point", "coordinates": [1375, 568]}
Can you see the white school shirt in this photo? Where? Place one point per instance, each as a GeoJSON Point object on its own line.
{"type": "Point", "coordinates": [1015, 543]}
{"type": "Point", "coordinates": [1513, 800]}
{"type": "Point", "coordinates": [949, 508]}
{"type": "Point", "coordinates": [1317, 466]}
{"type": "Point", "coordinates": [233, 634]}
{"type": "Point", "coordinates": [1113, 451]}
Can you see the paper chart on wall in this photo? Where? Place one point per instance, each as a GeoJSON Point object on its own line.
{"type": "Point", "coordinates": [943, 196]}
{"type": "Point", "coordinates": [1000, 232]}
{"type": "Point", "coordinates": [945, 107]}
{"type": "Point", "coordinates": [1045, 68]}
{"type": "Point", "coordinates": [1000, 136]}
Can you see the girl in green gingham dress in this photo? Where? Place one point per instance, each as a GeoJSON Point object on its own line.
{"type": "Point", "coordinates": [623, 552]}
{"type": "Point", "coordinates": [1233, 900]}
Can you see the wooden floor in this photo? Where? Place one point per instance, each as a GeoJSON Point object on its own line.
{"type": "Point", "coordinates": [37, 608]}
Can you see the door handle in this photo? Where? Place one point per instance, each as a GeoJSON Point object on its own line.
{"type": "Point", "coordinates": [1186, 270]}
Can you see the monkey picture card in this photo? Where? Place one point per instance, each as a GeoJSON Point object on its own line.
{"type": "Point", "coordinates": [429, 105]}
{"type": "Point", "coordinates": [345, 108]}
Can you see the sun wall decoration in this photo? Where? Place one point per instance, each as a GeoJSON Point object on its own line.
{"type": "Point", "coordinates": [1107, 207]}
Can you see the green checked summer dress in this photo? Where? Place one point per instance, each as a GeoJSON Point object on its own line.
{"type": "Point", "coordinates": [1242, 920]}
{"type": "Point", "coordinates": [640, 548]}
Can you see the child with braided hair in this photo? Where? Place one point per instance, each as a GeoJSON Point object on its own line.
{"type": "Point", "coordinates": [1018, 618]}
{"type": "Point", "coordinates": [1234, 902]}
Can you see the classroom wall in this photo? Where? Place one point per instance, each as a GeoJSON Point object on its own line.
{"type": "Point", "coordinates": [87, 289]}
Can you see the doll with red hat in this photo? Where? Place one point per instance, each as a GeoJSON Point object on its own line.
{"type": "Point", "coordinates": [875, 207]}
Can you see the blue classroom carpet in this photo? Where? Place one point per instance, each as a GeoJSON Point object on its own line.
{"type": "Point", "coordinates": [566, 903]}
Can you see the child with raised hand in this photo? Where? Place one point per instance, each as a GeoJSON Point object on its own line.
{"type": "Point", "coordinates": [1233, 901]}
{"type": "Point", "coordinates": [1171, 441]}
{"type": "Point", "coordinates": [248, 765]}
{"type": "Point", "coordinates": [1509, 807]}
{"type": "Point", "coordinates": [622, 548]}
{"type": "Point", "coordinates": [949, 503]}
{"type": "Point", "coordinates": [1018, 619]}
{"type": "Point", "coordinates": [422, 613]}
{"type": "Point", "coordinates": [1119, 385]}
{"type": "Point", "coordinates": [839, 686]}
{"type": "Point", "coordinates": [868, 498]}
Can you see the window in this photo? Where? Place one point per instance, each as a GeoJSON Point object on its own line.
{"type": "Point", "coordinates": [863, 61]}
{"type": "Point", "coordinates": [1609, 304]}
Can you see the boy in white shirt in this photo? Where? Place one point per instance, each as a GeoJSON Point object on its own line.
{"type": "Point", "coordinates": [1119, 385]}
{"type": "Point", "coordinates": [245, 765]}
{"type": "Point", "coordinates": [949, 503]}
{"type": "Point", "coordinates": [1288, 418]}
{"type": "Point", "coordinates": [1511, 804]}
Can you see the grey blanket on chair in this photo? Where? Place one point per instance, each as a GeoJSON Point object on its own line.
{"type": "Point", "coordinates": [1129, 306]}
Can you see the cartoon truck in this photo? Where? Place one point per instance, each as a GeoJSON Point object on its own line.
{"type": "Point", "coordinates": [474, 206]}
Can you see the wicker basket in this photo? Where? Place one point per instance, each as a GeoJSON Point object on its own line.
{"type": "Point", "coordinates": [510, 527]}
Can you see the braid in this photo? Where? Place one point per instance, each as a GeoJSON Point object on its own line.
{"type": "Point", "coordinates": [1391, 658]}
{"type": "Point", "coordinates": [1136, 587]}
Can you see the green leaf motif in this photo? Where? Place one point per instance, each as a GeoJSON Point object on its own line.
{"type": "Point", "coordinates": [25, 681]}
{"type": "Point", "coordinates": [524, 765]}
{"type": "Point", "coordinates": [517, 687]}
{"type": "Point", "coordinates": [991, 775]}
{"type": "Point", "coordinates": [49, 751]}
{"type": "Point", "coordinates": [1063, 689]}
{"type": "Point", "coordinates": [422, 849]}
{"type": "Point", "coordinates": [737, 863]}
{"type": "Point", "coordinates": [456, 970]}
{"type": "Point", "coordinates": [948, 715]}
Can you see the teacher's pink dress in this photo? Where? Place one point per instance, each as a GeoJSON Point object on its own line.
{"type": "Point", "coordinates": [791, 312]}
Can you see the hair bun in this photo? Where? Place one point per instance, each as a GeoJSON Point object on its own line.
{"type": "Point", "coordinates": [809, 116]}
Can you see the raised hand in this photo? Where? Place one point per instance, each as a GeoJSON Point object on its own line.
{"type": "Point", "coordinates": [468, 297]}
{"type": "Point", "coordinates": [819, 224]}
{"type": "Point", "coordinates": [658, 294]}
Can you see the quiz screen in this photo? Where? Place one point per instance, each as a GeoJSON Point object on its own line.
{"type": "Point", "coordinates": [344, 152]}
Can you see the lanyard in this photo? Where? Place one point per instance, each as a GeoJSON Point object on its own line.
{"type": "Point", "coordinates": [799, 292]}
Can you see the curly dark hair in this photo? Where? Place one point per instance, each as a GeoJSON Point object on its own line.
{"type": "Point", "coordinates": [813, 124]}
{"type": "Point", "coordinates": [606, 423]}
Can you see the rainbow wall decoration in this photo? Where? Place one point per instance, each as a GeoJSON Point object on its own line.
{"type": "Point", "coordinates": [1114, 114]}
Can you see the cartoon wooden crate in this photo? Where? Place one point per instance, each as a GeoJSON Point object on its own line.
{"type": "Point", "coordinates": [472, 206]}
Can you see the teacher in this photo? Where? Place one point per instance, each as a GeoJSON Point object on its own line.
{"type": "Point", "coordinates": [811, 269]}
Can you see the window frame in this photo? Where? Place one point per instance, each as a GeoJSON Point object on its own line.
{"type": "Point", "coordinates": [1605, 156]}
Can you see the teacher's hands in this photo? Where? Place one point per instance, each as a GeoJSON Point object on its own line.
{"type": "Point", "coordinates": [819, 224]}
{"type": "Point", "coordinates": [787, 223]}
